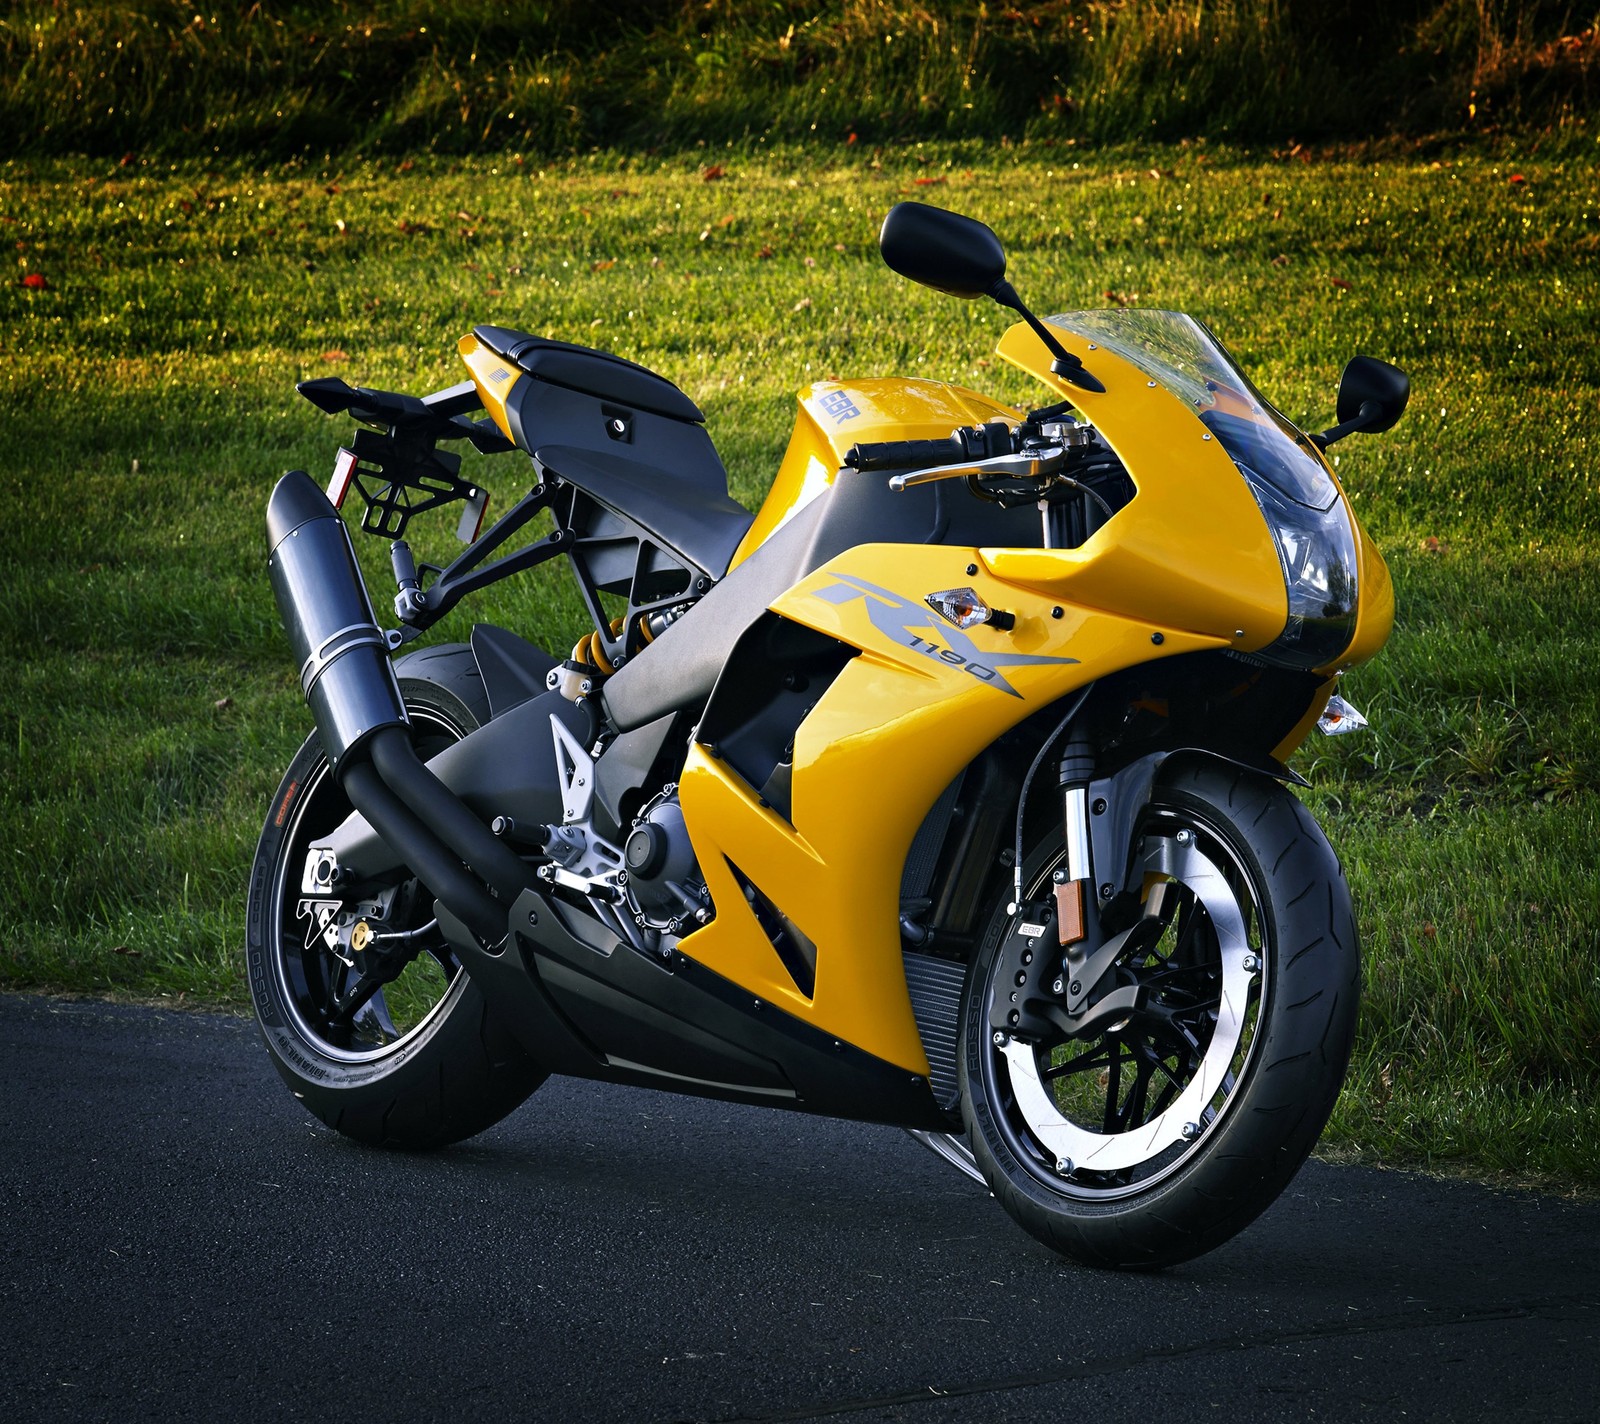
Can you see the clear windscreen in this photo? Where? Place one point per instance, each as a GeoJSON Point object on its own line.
{"type": "Point", "coordinates": [1189, 361]}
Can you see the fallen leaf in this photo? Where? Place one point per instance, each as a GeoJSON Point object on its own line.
{"type": "Point", "coordinates": [838, 247]}
{"type": "Point", "coordinates": [413, 229]}
{"type": "Point", "coordinates": [802, 304]}
{"type": "Point", "coordinates": [1518, 178]}
{"type": "Point", "coordinates": [494, 292]}
{"type": "Point", "coordinates": [331, 189]}
{"type": "Point", "coordinates": [124, 949]}
{"type": "Point", "coordinates": [1431, 545]}
{"type": "Point", "coordinates": [342, 229]}
{"type": "Point", "coordinates": [655, 261]}
{"type": "Point", "coordinates": [713, 173]}
{"type": "Point", "coordinates": [334, 356]}
{"type": "Point", "coordinates": [764, 254]}
{"type": "Point", "coordinates": [1340, 283]}
{"type": "Point", "coordinates": [811, 262]}
{"type": "Point", "coordinates": [1281, 260]}
{"type": "Point", "coordinates": [727, 220]}
{"type": "Point", "coordinates": [1121, 299]}
{"type": "Point", "coordinates": [406, 165]}
{"type": "Point", "coordinates": [36, 282]}
{"type": "Point", "coordinates": [222, 704]}
{"type": "Point", "coordinates": [604, 265]}
{"type": "Point", "coordinates": [126, 161]}
{"type": "Point", "coordinates": [929, 182]}
{"type": "Point", "coordinates": [851, 139]}
{"type": "Point", "coordinates": [1428, 932]}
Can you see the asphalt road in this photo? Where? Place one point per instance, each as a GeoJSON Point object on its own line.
{"type": "Point", "coordinates": [181, 1240]}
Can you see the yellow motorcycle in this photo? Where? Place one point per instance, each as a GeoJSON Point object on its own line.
{"type": "Point", "coordinates": [948, 791]}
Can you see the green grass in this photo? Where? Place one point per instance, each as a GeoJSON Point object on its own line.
{"type": "Point", "coordinates": [147, 705]}
{"type": "Point", "coordinates": [556, 76]}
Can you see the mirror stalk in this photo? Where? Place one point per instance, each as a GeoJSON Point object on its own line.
{"type": "Point", "coordinates": [1065, 365]}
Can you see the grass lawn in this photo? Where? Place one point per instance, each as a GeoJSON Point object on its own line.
{"type": "Point", "coordinates": [146, 700]}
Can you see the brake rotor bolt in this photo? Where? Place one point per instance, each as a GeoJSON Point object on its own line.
{"type": "Point", "coordinates": [1060, 877]}
{"type": "Point", "coordinates": [1107, 890]}
{"type": "Point", "coordinates": [1057, 987]}
{"type": "Point", "coordinates": [1077, 988]}
{"type": "Point", "coordinates": [1191, 1130]}
{"type": "Point", "coordinates": [999, 1039]}
{"type": "Point", "coordinates": [1183, 838]}
{"type": "Point", "coordinates": [1065, 1166]}
{"type": "Point", "coordinates": [1250, 964]}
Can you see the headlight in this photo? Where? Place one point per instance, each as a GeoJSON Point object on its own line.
{"type": "Point", "coordinates": [1315, 543]}
{"type": "Point", "coordinates": [1317, 549]}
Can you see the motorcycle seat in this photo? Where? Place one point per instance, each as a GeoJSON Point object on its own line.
{"type": "Point", "coordinates": [594, 373]}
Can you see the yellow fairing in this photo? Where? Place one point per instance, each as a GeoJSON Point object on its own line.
{"type": "Point", "coordinates": [1191, 546]}
{"type": "Point", "coordinates": [870, 760]}
{"type": "Point", "coordinates": [1375, 607]}
{"type": "Point", "coordinates": [834, 415]}
{"type": "Point", "coordinates": [493, 376]}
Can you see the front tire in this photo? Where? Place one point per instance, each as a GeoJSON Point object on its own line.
{"type": "Point", "coordinates": [1168, 1132]}
{"type": "Point", "coordinates": [425, 1060]}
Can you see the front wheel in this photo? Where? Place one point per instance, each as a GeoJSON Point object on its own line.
{"type": "Point", "coordinates": [1166, 1131]}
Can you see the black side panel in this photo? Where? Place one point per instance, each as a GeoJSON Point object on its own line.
{"type": "Point", "coordinates": [630, 769]}
{"type": "Point", "coordinates": [680, 668]}
{"type": "Point", "coordinates": [701, 524]}
{"type": "Point", "coordinates": [513, 669]}
{"type": "Point", "coordinates": [681, 1027]}
{"type": "Point", "coordinates": [679, 451]}
{"type": "Point", "coordinates": [776, 675]}
{"type": "Point", "coordinates": [598, 373]}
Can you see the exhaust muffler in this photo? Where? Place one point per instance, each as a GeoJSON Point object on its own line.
{"type": "Point", "coordinates": [350, 685]}
{"type": "Point", "coordinates": [345, 671]}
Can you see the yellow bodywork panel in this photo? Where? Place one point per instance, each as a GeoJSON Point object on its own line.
{"type": "Point", "coordinates": [1191, 546]}
{"type": "Point", "coordinates": [870, 759]}
{"type": "Point", "coordinates": [1374, 607]}
{"type": "Point", "coordinates": [494, 377]}
{"type": "Point", "coordinates": [834, 415]}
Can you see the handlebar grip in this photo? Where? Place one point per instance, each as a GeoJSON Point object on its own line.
{"type": "Point", "coordinates": [906, 454]}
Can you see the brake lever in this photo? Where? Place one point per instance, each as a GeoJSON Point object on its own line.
{"type": "Point", "coordinates": [1027, 465]}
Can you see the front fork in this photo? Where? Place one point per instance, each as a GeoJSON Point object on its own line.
{"type": "Point", "coordinates": [1055, 957]}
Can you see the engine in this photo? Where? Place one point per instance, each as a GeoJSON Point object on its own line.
{"type": "Point", "coordinates": [660, 878]}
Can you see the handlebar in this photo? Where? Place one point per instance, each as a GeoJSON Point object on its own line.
{"type": "Point", "coordinates": [973, 442]}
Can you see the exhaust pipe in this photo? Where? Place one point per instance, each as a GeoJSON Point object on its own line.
{"type": "Point", "coordinates": [361, 719]}
{"type": "Point", "coordinates": [345, 671]}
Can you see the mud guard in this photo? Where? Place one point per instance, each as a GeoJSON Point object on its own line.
{"type": "Point", "coordinates": [1125, 793]}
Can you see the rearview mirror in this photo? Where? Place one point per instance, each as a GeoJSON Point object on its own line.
{"type": "Point", "coordinates": [942, 250]}
{"type": "Point", "coordinates": [1368, 381]}
{"type": "Point", "coordinates": [1372, 396]}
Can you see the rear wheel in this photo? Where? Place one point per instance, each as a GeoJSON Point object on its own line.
{"type": "Point", "coordinates": [1172, 1127]}
{"type": "Point", "coordinates": [365, 1009]}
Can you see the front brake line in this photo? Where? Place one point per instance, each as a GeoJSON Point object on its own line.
{"type": "Point", "coordinates": [1027, 782]}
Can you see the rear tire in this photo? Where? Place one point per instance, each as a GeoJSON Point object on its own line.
{"type": "Point", "coordinates": [427, 1061]}
{"type": "Point", "coordinates": [1173, 1129]}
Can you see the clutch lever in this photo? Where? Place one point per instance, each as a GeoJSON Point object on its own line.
{"type": "Point", "coordinates": [1027, 465]}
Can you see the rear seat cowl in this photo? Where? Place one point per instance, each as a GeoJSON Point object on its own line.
{"type": "Point", "coordinates": [595, 373]}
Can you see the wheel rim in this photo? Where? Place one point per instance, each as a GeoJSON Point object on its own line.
{"type": "Point", "coordinates": [1112, 1115]}
{"type": "Point", "coordinates": [310, 976]}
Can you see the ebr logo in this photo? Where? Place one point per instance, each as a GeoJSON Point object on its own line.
{"type": "Point", "coordinates": [839, 405]}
